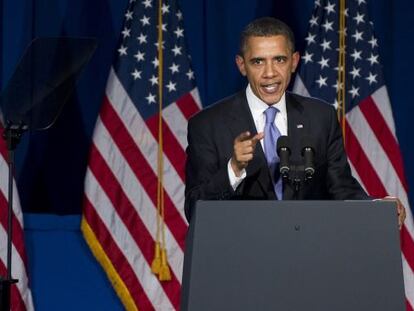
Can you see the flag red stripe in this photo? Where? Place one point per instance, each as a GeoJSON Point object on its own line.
{"type": "Point", "coordinates": [407, 245]}
{"type": "Point", "coordinates": [408, 306]}
{"type": "Point", "coordinates": [187, 105]}
{"type": "Point", "coordinates": [130, 217]}
{"type": "Point", "coordinates": [3, 150]}
{"type": "Point", "coordinates": [363, 166]}
{"type": "Point", "coordinates": [142, 170]}
{"type": "Point", "coordinates": [16, 302]}
{"type": "Point", "coordinates": [116, 256]}
{"type": "Point", "coordinates": [384, 135]}
{"type": "Point", "coordinates": [3, 147]}
{"type": "Point", "coordinates": [18, 240]}
{"type": "Point", "coordinates": [171, 146]}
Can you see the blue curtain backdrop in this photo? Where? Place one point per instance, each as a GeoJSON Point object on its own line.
{"type": "Point", "coordinates": [51, 165]}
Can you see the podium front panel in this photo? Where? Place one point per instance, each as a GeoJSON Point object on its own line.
{"type": "Point", "coordinates": [293, 255]}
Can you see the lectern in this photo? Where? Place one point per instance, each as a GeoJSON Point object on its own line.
{"type": "Point", "coordinates": [293, 256]}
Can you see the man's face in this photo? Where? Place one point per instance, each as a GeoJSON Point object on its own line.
{"type": "Point", "coordinates": [268, 63]}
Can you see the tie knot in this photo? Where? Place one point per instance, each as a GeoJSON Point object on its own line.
{"type": "Point", "coordinates": [271, 114]}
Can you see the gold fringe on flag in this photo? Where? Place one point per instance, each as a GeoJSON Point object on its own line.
{"type": "Point", "coordinates": [159, 264]}
{"type": "Point", "coordinates": [341, 90]}
{"type": "Point", "coordinates": [98, 251]}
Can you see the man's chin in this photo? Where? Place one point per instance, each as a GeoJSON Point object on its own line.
{"type": "Point", "coordinates": [271, 100]}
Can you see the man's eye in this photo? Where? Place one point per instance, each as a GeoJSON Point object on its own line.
{"type": "Point", "coordinates": [257, 61]}
{"type": "Point", "coordinates": [280, 59]}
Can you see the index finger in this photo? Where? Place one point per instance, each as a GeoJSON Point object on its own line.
{"type": "Point", "coordinates": [243, 136]}
{"type": "Point", "coordinates": [257, 137]}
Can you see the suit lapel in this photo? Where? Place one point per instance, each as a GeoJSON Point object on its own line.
{"type": "Point", "coordinates": [241, 121]}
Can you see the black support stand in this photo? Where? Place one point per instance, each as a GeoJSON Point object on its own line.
{"type": "Point", "coordinates": [33, 99]}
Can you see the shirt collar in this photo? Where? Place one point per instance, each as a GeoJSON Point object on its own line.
{"type": "Point", "coordinates": [257, 106]}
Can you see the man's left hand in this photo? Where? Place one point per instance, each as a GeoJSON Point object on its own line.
{"type": "Point", "coordinates": [400, 209]}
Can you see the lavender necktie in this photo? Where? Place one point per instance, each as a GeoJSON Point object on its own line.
{"type": "Point", "coordinates": [271, 135]}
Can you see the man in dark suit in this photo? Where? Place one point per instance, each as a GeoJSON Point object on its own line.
{"type": "Point", "coordinates": [230, 154]}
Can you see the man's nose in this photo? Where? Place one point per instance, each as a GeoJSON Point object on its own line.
{"type": "Point", "coordinates": [270, 70]}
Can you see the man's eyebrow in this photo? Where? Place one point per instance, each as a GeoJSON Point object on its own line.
{"type": "Point", "coordinates": [252, 59]}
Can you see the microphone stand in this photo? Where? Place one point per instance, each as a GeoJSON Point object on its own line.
{"type": "Point", "coordinates": [299, 176]}
{"type": "Point", "coordinates": [296, 181]}
{"type": "Point", "coordinates": [12, 134]}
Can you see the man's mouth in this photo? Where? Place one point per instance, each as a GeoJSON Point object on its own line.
{"type": "Point", "coordinates": [271, 88]}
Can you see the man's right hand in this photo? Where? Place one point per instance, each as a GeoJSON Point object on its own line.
{"type": "Point", "coordinates": [243, 149]}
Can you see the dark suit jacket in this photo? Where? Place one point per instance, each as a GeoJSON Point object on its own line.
{"type": "Point", "coordinates": [211, 135]}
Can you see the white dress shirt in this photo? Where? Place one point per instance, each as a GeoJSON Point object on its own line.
{"type": "Point", "coordinates": [257, 108]}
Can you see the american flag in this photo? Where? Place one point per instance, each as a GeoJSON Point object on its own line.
{"type": "Point", "coordinates": [120, 218]}
{"type": "Point", "coordinates": [369, 130]}
{"type": "Point", "coordinates": [21, 297]}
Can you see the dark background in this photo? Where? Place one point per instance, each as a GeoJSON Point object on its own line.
{"type": "Point", "coordinates": [51, 164]}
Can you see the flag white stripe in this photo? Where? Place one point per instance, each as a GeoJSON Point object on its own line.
{"type": "Point", "coordinates": [18, 270]}
{"type": "Point", "coordinates": [146, 142]}
{"type": "Point", "coordinates": [4, 188]}
{"type": "Point", "coordinates": [136, 194]}
{"type": "Point", "coordinates": [299, 87]}
{"type": "Point", "coordinates": [177, 122]}
{"type": "Point", "coordinates": [126, 243]}
{"type": "Point", "coordinates": [379, 160]}
{"type": "Point", "coordinates": [408, 281]}
{"type": "Point", "coordinates": [196, 96]}
{"type": "Point", "coordinates": [382, 101]}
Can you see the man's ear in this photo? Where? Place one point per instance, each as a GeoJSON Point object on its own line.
{"type": "Point", "coordinates": [241, 65]}
{"type": "Point", "coordinates": [295, 61]}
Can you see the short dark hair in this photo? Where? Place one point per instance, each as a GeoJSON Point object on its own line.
{"type": "Point", "coordinates": [266, 27]}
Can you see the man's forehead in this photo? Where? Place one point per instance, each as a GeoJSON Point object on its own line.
{"type": "Point", "coordinates": [267, 38]}
{"type": "Point", "coordinates": [262, 42]}
{"type": "Point", "coordinates": [257, 50]}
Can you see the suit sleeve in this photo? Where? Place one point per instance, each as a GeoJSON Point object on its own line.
{"type": "Point", "coordinates": [206, 176]}
{"type": "Point", "coordinates": [340, 182]}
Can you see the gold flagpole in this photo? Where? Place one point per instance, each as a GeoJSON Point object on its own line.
{"type": "Point", "coordinates": [160, 263]}
{"type": "Point", "coordinates": [341, 90]}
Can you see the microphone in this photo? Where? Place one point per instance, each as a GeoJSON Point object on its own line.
{"type": "Point", "coordinates": [308, 154]}
{"type": "Point", "coordinates": [283, 151]}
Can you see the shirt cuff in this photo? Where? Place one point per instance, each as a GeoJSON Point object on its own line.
{"type": "Point", "coordinates": [234, 180]}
